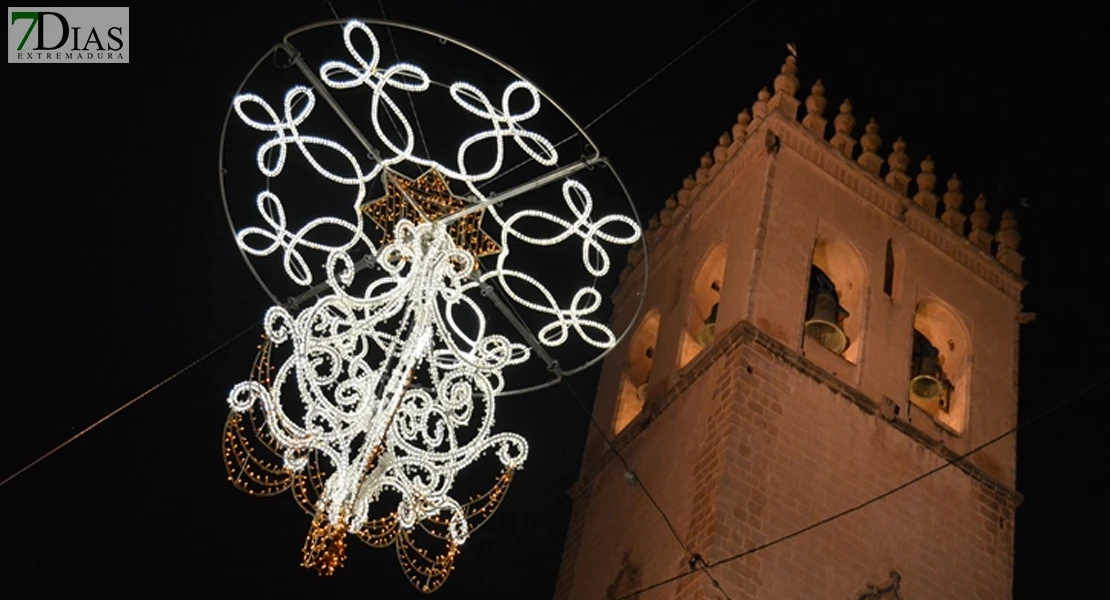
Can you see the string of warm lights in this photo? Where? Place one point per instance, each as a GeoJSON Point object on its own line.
{"type": "Point", "coordinates": [413, 444]}
{"type": "Point", "coordinates": [307, 486]}
{"type": "Point", "coordinates": [248, 452]}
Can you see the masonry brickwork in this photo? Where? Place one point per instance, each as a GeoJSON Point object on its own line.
{"type": "Point", "coordinates": [763, 432]}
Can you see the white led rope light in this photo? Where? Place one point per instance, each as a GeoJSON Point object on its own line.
{"type": "Point", "coordinates": [354, 351]}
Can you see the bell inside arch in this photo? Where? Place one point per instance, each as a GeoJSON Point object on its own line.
{"type": "Point", "coordinates": [927, 382]}
{"type": "Point", "coordinates": [709, 327]}
{"type": "Point", "coordinates": [824, 313]}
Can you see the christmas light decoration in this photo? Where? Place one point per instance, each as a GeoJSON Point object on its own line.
{"type": "Point", "coordinates": [384, 397]}
{"type": "Point", "coordinates": [429, 197]}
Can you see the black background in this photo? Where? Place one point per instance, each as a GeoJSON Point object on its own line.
{"type": "Point", "coordinates": [121, 269]}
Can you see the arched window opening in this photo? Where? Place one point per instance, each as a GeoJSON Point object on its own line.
{"type": "Point", "coordinates": [834, 302]}
{"type": "Point", "coordinates": [892, 273]}
{"type": "Point", "coordinates": [940, 364]}
{"type": "Point", "coordinates": [701, 326]}
{"type": "Point", "coordinates": [641, 390]}
{"type": "Point", "coordinates": [637, 372]}
{"type": "Point", "coordinates": [888, 272]}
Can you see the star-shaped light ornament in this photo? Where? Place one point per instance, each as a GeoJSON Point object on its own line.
{"type": "Point", "coordinates": [433, 196]}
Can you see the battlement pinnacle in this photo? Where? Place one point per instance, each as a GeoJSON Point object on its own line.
{"type": "Point", "coordinates": [701, 176]}
{"type": "Point", "coordinates": [896, 177]}
{"type": "Point", "coordinates": [760, 107]}
{"type": "Point", "coordinates": [787, 80]}
{"type": "Point", "coordinates": [666, 217]}
{"type": "Point", "coordinates": [843, 123]}
{"type": "Point", "coordinates": [870, 142]}
{"type": "Point", "coordinates": [652, 231]}
{"type": "Point", "coordinates": [815, 110]}
{"type": "Point", "coordinates": [686, 194]}
{"type": "Point", "coordinates": [926, 183]}
{"type": "Point", "coordinates": [899, 161]}
{"type": "Point", "coordinates": [786, 86]}
{"type": "Point", "coordinates": [1008, 240]}
{"type": "Point", "coordinates": [953, 199]}
{"type": "Point", "coordinates": [980, 222]}
{"type": "Point", "coordinates": [720, 153]}
{"type": "Point", "coordinates": [740, 129]}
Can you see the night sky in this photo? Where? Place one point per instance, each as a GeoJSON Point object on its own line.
{"type": "Point", "coordinates": [121, 268]}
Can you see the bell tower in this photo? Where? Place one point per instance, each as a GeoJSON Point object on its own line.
{"type": "Point", "coordinates": [820, 327]}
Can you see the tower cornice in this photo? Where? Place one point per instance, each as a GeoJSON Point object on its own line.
{"type": "Point", "coordinates": [867, 185]}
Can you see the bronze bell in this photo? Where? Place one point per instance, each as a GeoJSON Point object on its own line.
{"type": "Point", "coordinates": [709, 327]}
{"type": "Point", "coordinates": [927, 382]}
{"type": "Point", "coordinates": [824, 313]}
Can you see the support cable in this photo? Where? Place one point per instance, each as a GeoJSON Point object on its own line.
{"type": "Point", "coordinates": [635, 90]}
{"type": "Point", "coordinates": [115, 412]}
{"type": "Point", "coordinates": [890, 492]}
{"type": "Point", "coordinates": [696, 561]}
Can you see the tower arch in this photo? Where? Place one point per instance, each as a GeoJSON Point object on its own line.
{"type": "Point", "coordinates": [705, 299]}
{"type": "Point", "coordinates": [837, 274]}
{"type": "Point", "coordinates": [637, 371]}
{"type": "Point", "coordinates": [940, 364]}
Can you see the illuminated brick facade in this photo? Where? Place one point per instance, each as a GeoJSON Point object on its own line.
{"type": "Point", "coordinates": [753, 430]}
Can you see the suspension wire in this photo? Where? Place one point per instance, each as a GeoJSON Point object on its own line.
{"type": "Point", "coordinates": [574, 392]}
{"type": "Point", "coordinates": [890, 492]}
{"type": "Point", "coordinates": [673, 61]}
{"type": "Point", "coordinates": [697, 562]}
{"type": "Point", "coordinates": [636, 89]}
{"type": "Point", "coordinates": [115, 412]}
{"type": "Point", "coordinates": [412, 105]}
{"type": "Point", "coordinates": [695, 558]}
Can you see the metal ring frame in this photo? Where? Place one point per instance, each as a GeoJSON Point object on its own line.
{"type": "Point", "coordinates": [553, 366]}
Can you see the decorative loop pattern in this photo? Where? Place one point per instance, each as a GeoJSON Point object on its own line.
{"type": "Point", "coordinates": [393, 384]}
{"type": "Point", "coordinates": [586, 301]}
{"type": "Point", "coordinates": [356, 408]}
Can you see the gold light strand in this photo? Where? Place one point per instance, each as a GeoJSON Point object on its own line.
{"type": "Point", "coordinates": [246, 469]}
{"type": "Point", "coordinates": [426, 573]}
{"type": "Point", "coordinates": [325, 547]}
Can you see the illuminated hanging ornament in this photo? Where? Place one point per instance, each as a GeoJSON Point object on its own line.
{"type": "Point", "coordinates": [392, 365]}
{"type": "Point", "coordinates": [429, 197]}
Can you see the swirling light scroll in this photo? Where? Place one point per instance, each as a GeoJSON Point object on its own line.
{"type": "Point", "coordinates": [384, 398]}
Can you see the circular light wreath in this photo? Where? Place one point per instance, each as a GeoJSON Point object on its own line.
{"type": "Point", "coordinates": [396, 394]}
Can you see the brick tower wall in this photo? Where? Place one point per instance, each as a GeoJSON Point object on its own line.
{"type": "Point", "coordinates": [762, 433]}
